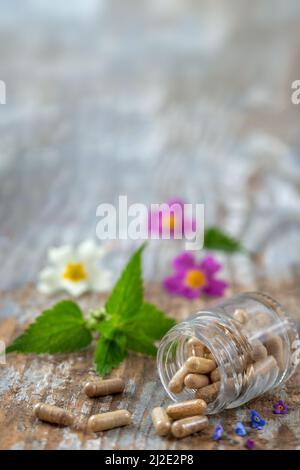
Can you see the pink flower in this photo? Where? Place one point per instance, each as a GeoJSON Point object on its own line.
{"type": "Point", "coordinates": [193, 278]}
{"type": "Point", "coordinates": [172, 218]}
{"type": "Point", "coordinates": [280, 408]}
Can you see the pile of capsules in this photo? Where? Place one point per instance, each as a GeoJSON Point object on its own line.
{"type": "Point", "coordinates": [181, 419]}
{"type": "Point", "coordinates": [99, 422]}
{"type": "Point", "coordinates": [199, 372]}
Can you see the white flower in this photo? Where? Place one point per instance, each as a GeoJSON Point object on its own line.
{"type": "Point", "coordinates": [75, 270]}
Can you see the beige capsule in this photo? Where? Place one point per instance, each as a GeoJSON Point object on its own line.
{"type": "Point", "coordinates": [196, 381]}
{"type": "Point", "coordinates": [215, 375]}
{"type": "Point", "coordinates": [186, 408]}
{"type": "Point", "coordinates": [260, 321]}
{"type": "Point", "coordinates": [209, 393]}
{"type": "Point", "coordinates": [104, 387]}
{"type": "Point", "coordinates": [258, 350]}
{"type": "Point", "coordinates": [263, 319]}
{"type": "Point", "coordinates": [53, 414]}
{"type": "Point", "coordinates": [265, 366]}
{"type": "Point", "coordinates": [187, 426]}
{"type": "Point", "coordinates": [240, 315]}
{"type": "Point", "coordinates": [200, 365]}
{"type": "Point", "coordinates": [110, 420]}
{"type": "Point", "coordinates": [264, 369]}
{"type": "Point", "coordinates": [209, 356]}
{"type": "Point", "coordinates": [274, 347]}
{"type": "Point", "coordinates": [161, 421]}
{"type": "Point", "coordinates": [177, 382]}
{"type": "Point", "coordinates": [195, 347]}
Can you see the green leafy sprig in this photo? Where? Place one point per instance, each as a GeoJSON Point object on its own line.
{"type": "Point", "coordinates": [216, 239]}
{"type": "Point", "coordinates": [126, 323]}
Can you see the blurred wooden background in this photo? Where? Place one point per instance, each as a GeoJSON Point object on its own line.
{"type": "Point", "coordinates": [157, 99]}
{"type": "Point", "coordinates": [153, 100]}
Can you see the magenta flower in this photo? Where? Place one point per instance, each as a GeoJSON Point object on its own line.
{"type": "Point", "coordinates": [172, 218]}
{"type": "Point", "coordinates": [193, 278]}
{"type": "Point", "coordinates": [250, 444]}
{"type": "Point", "coordinates": [280, 408]}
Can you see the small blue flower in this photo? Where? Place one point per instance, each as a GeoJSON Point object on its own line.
{"type": "Point", "coordinates": [240, 429]}
{"type": "Point", "coordinates": [257, 422]}
{"type": "Point", "coordinates": [218, 432]}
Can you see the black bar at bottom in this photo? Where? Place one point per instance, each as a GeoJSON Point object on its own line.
{"type": "Point", "coordinates": [150, 458]}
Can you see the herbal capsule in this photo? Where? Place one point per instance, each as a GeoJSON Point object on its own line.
{"type": "Point", "coordinates": [185, 427]}
{"type": "Point", "coordinates": [209, 356]}
{"type": "Point", "coordinates": [196, 380]}
{"type": "Point", "coordinates": [209, 393]}
{"type": "Point", "coordinates": [186, 408]}
{"type": "Point", "coordinates": [258, 350]}
{"type": "Point", "coordinates": [240, 315]}
{"type": "Point", "coordinates": [53, 414]}
{"type": "Point", "coordinates": [265, 366]}
{"type": "Point", "coordinates": [177, 381]}
{"type": "Point", "coordinates": [274, 347]}
{"type": "Point", "coordinates": [110, 420]}
{"type": "Point", "coordinates": [104, 387]}
{"type": "Point", "coordinates": [161, 421]}
{"type": "Point", "coordinates": [200, 365]}
{"type": "Point", "coordinates": [195, 347]}
{"type": "Point", "coordinates": [215, 375]}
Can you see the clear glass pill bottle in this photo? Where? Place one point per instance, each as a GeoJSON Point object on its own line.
{"type": "Point", "coordinates": [251, 338]}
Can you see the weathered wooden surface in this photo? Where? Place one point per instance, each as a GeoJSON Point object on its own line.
{"type": "Point", "coordinates": [175, 98]}
{"type": "Point", "coordinates": [150, 99]}
{"type": "Point", "coordinates": [25, 380]}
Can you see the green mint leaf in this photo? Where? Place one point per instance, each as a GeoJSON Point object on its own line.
{"type": "Point", "coordinates": [127, 295]}
{"type": "Point", "coordinates": [138, 334]}
{"type": "Point", "coordinates": [216, 239]}
{"type": "Point", "coordinates": [152, 321]}
{"type": "Point", "coordinates": [109, 353]}
{"type": "Point", "coordinates": [57, 330]}
{"type": "Point", "coordinates": [107, 328]}
{"type": "Point", "coordinates": [138, 341]}
{"type": "Point", "coordinates": [148, 325]}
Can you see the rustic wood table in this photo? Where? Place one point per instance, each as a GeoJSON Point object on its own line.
{"type": "Point", "coordinates": [152, 100]}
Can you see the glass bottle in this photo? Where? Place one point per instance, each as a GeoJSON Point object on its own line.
{"type": "Point", "coordinates": [252, 340]}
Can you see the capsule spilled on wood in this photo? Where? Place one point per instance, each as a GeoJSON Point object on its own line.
{"type": "Point", "coordinates": [161, 421]}
{"type": "Point", "coordinates": [186, 408]}
{"type": "Point", "coordinates": [101, 388]}
{"type": "Point", "coordinates": [53, 414]}
{"type": "Point", "coordinates": [110, 420]}
{"type": "Point", "coordinates": [187, 426]}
